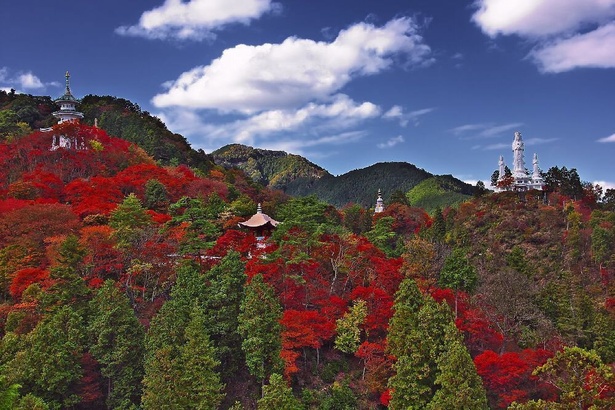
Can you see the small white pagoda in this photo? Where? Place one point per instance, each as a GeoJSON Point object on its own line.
{"type": "Point", "coordinates": [379, 204]}
{"type": "Point", "coordinates": [67, 112]}
{"type": "Point", "coordinates": [521, 179]}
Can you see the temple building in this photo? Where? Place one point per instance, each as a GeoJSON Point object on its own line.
{"type": "Point", "coordinates": [379, 204]}
{"type": "Point", "coordinates": [520, 179]}
{"type": "Point", "coordinates": [67, 112]}
{"type": "Point", "coordinates": [259, 223]}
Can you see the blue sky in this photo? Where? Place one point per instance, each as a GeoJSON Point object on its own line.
{"type": "Point", "coordinates": [346, 83]}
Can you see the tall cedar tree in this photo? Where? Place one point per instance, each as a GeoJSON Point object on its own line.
{"type": "Point", "coordinates": [117, 344]}
{"type": "Point", "coordinates": [278, 396]}
{"type": "Point", "coordinates": [259, 324]}
{"type": "Point", "coordinates": [222, 302]}
{"type": "Point", "coordinates": [129, 221]}
{"type": "Point", "coordinates": [459, 385]}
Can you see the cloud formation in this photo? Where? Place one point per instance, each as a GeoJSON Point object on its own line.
{"type": "Point", "coordinates": [272, 126]}
{"type": "Point", "coordinates": [250, 79]}
{"type": "Point", "coordinates": [610, 138]}
{"type": "Point", "coordinates": [397, 112]}
{"type": "Point", "coordinates": [567, 34]}
{"type": "Point", "coordinates": [391, 142]}
{"type": "Point", "coordinates": [22, 81]}
{"type": "Point", "coordinates": [484, 130]}
{"type": "Point", "coordinates": [195, 19]}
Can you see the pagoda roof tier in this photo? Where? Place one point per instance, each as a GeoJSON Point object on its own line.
{"type": "Point", "coordinates": [259, 219]}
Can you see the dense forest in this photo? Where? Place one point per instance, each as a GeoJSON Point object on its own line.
{"type": "Point", "coordinates": [126, 283]}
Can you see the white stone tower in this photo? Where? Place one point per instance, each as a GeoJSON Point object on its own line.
{"type": "Point", "coordinates": [67, 112]}
{"type": "Point", "coordinates": [67, 103]}
{"type": "Point", "coordinates": [379, 203]}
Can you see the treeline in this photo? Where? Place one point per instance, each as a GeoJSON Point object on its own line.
{"type": "Point", "coordinates": [126, 284]}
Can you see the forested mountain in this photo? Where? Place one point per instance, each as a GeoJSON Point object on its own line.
{"type": "Point", "coordinates": [127, 284]}
{"type": "Point", "coordinates": [296, 176]}
{"type": "Point", "coordinates": [275, 169]}
{"type": "Point", "coordinates": [20, 114]}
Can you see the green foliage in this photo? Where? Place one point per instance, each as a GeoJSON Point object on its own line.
{"type": "Point", "coordinates": [458, 273]}
{"type": "Point", "coordinates": [439, 192]}
{"type": "Point", "coordinates": [9, 393]}
{"type": "Point", "coordinates": [348, 331]}
{"type": "Point", "coordinates": [156, 195]}
{"type": "Point", "coordinates": [339, 397]}
{"type": "Point", "coordinates": [198, 215]}
{"type": "Point", "coordinates": [581, 379]}
{"type": "Point", "coordinates": [459, 386]}
{"type": "Point", "coordinates": [117, 344]}
{"type": "Point", "coordinates": [129, 221]}
{"type": "Point", "coordinates": [126, 120]}
{"type": "Point", "coordinates": [383, 236]}
{"type": "Point", "coordinates": [275, 169]}
{"type": "Point", "coordinates": [424, 340]}
{"type": "Point", "coordinates": [51, 361]}
{"type": "Point", "coordinates": [259, 324]}
{"type": "Point", "coordinates": [221, 301]}
{"type": "Point", "coordinates": [278, 396]}
{"type": "Point", "coordinates": [30, 402]}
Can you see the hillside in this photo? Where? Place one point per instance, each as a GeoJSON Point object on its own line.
{"type": "Point", "coordinates": [127, 284]}
{"type": "Point", "coordinates": [297, 176]}
{"type": "Point", "coordinates": [21, 114]}
{"type": "Point", "coordinates": [275, 169]}
{"type": "Point", "coordinates": [439, 192]}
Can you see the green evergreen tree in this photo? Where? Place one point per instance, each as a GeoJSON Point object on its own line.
{"type": "Point", "coordinates": [117, 344]}
{"type": "Point", "coordinates": [459, 387]}
{"type": "Point", "coordinates": [259, 325]}
{"type": "Point", "coordinates": [129, 220]}
{"type": "Point", "coordinates": [52, 360]}
{"type": "Point", "coordinates": [347, 327]}
{"type": "Point", "coordinates": [199, 385]}
{"type": "Point", "coordinates": [156, 195]}
{"type": "Point", "coordinates": [9, 393]}
{"type": "Point", "coordinates": [68, 286]}
{"type": "Point", "coordinates": [278, 396]}
{"type": "Point", "coordinates": [417, 339]}
{"type": "Point", "coordinates": [458, 274]}
{"type": "Point", "coordinates": [222, 301]}
{"type": "Point", "coordinates": [201, 232]}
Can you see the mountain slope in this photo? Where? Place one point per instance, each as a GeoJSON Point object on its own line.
{"type": "Point", "coordinates": [439, 192]}
{"type": "Point", "coordinates": [20, 114]}
{"type": "Point", "coordinates": [275, 169]}
{"type": "Point", "coordinates": [297, 176]}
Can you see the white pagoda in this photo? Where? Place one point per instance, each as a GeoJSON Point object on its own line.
{"type": "Point", "coordinates": [379, 204]}
{"type": "Point", "coordinates": [67, 112]}
{"type": "Point", "coordinates": [521, 179]}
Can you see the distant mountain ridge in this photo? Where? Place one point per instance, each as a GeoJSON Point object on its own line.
{"type": "Point", "coordinates": [297, 176]}
{"type": "Point", "coordinates": [276, 169]}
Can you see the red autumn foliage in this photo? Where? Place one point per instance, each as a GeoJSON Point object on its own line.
{"type": "Point", "coordinates": [508, 377]}
{"type": "Point", "coordinates": [24, 278]}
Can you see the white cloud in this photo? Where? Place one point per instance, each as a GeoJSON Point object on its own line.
{"type": "Point", "coordinates": [249, 79]}
{"type": "Point", "coordinates": [339, 113]}
{"type": "Point", "coordinates": [610, 138]}
{"type": "Point", "coordinates": [593, 49]}
{"type": "Point", "coordinates": [397, 112]}
{"type": "Point", "coordinates": [21, 81]}
{"type": "Point", "coordinates": [539, 141]}
{"type": "Point", "coordinates": [298, 146]}
{"type": "Point", "coordinates": [391, 142]}
{"type": "Point", "coordinates": [195, 19]}
{"type": "Point", "coordinates": [484, 130]}
{"type": "Point", "coordinates": [29, 81]}
{"type": "Point", "coordinates": [539, 18]}
{"type": "Point", "coordinates": [568, 34]}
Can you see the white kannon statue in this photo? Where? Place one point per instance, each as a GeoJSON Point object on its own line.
{"type": "Point", "coordinates": [518, 161]}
